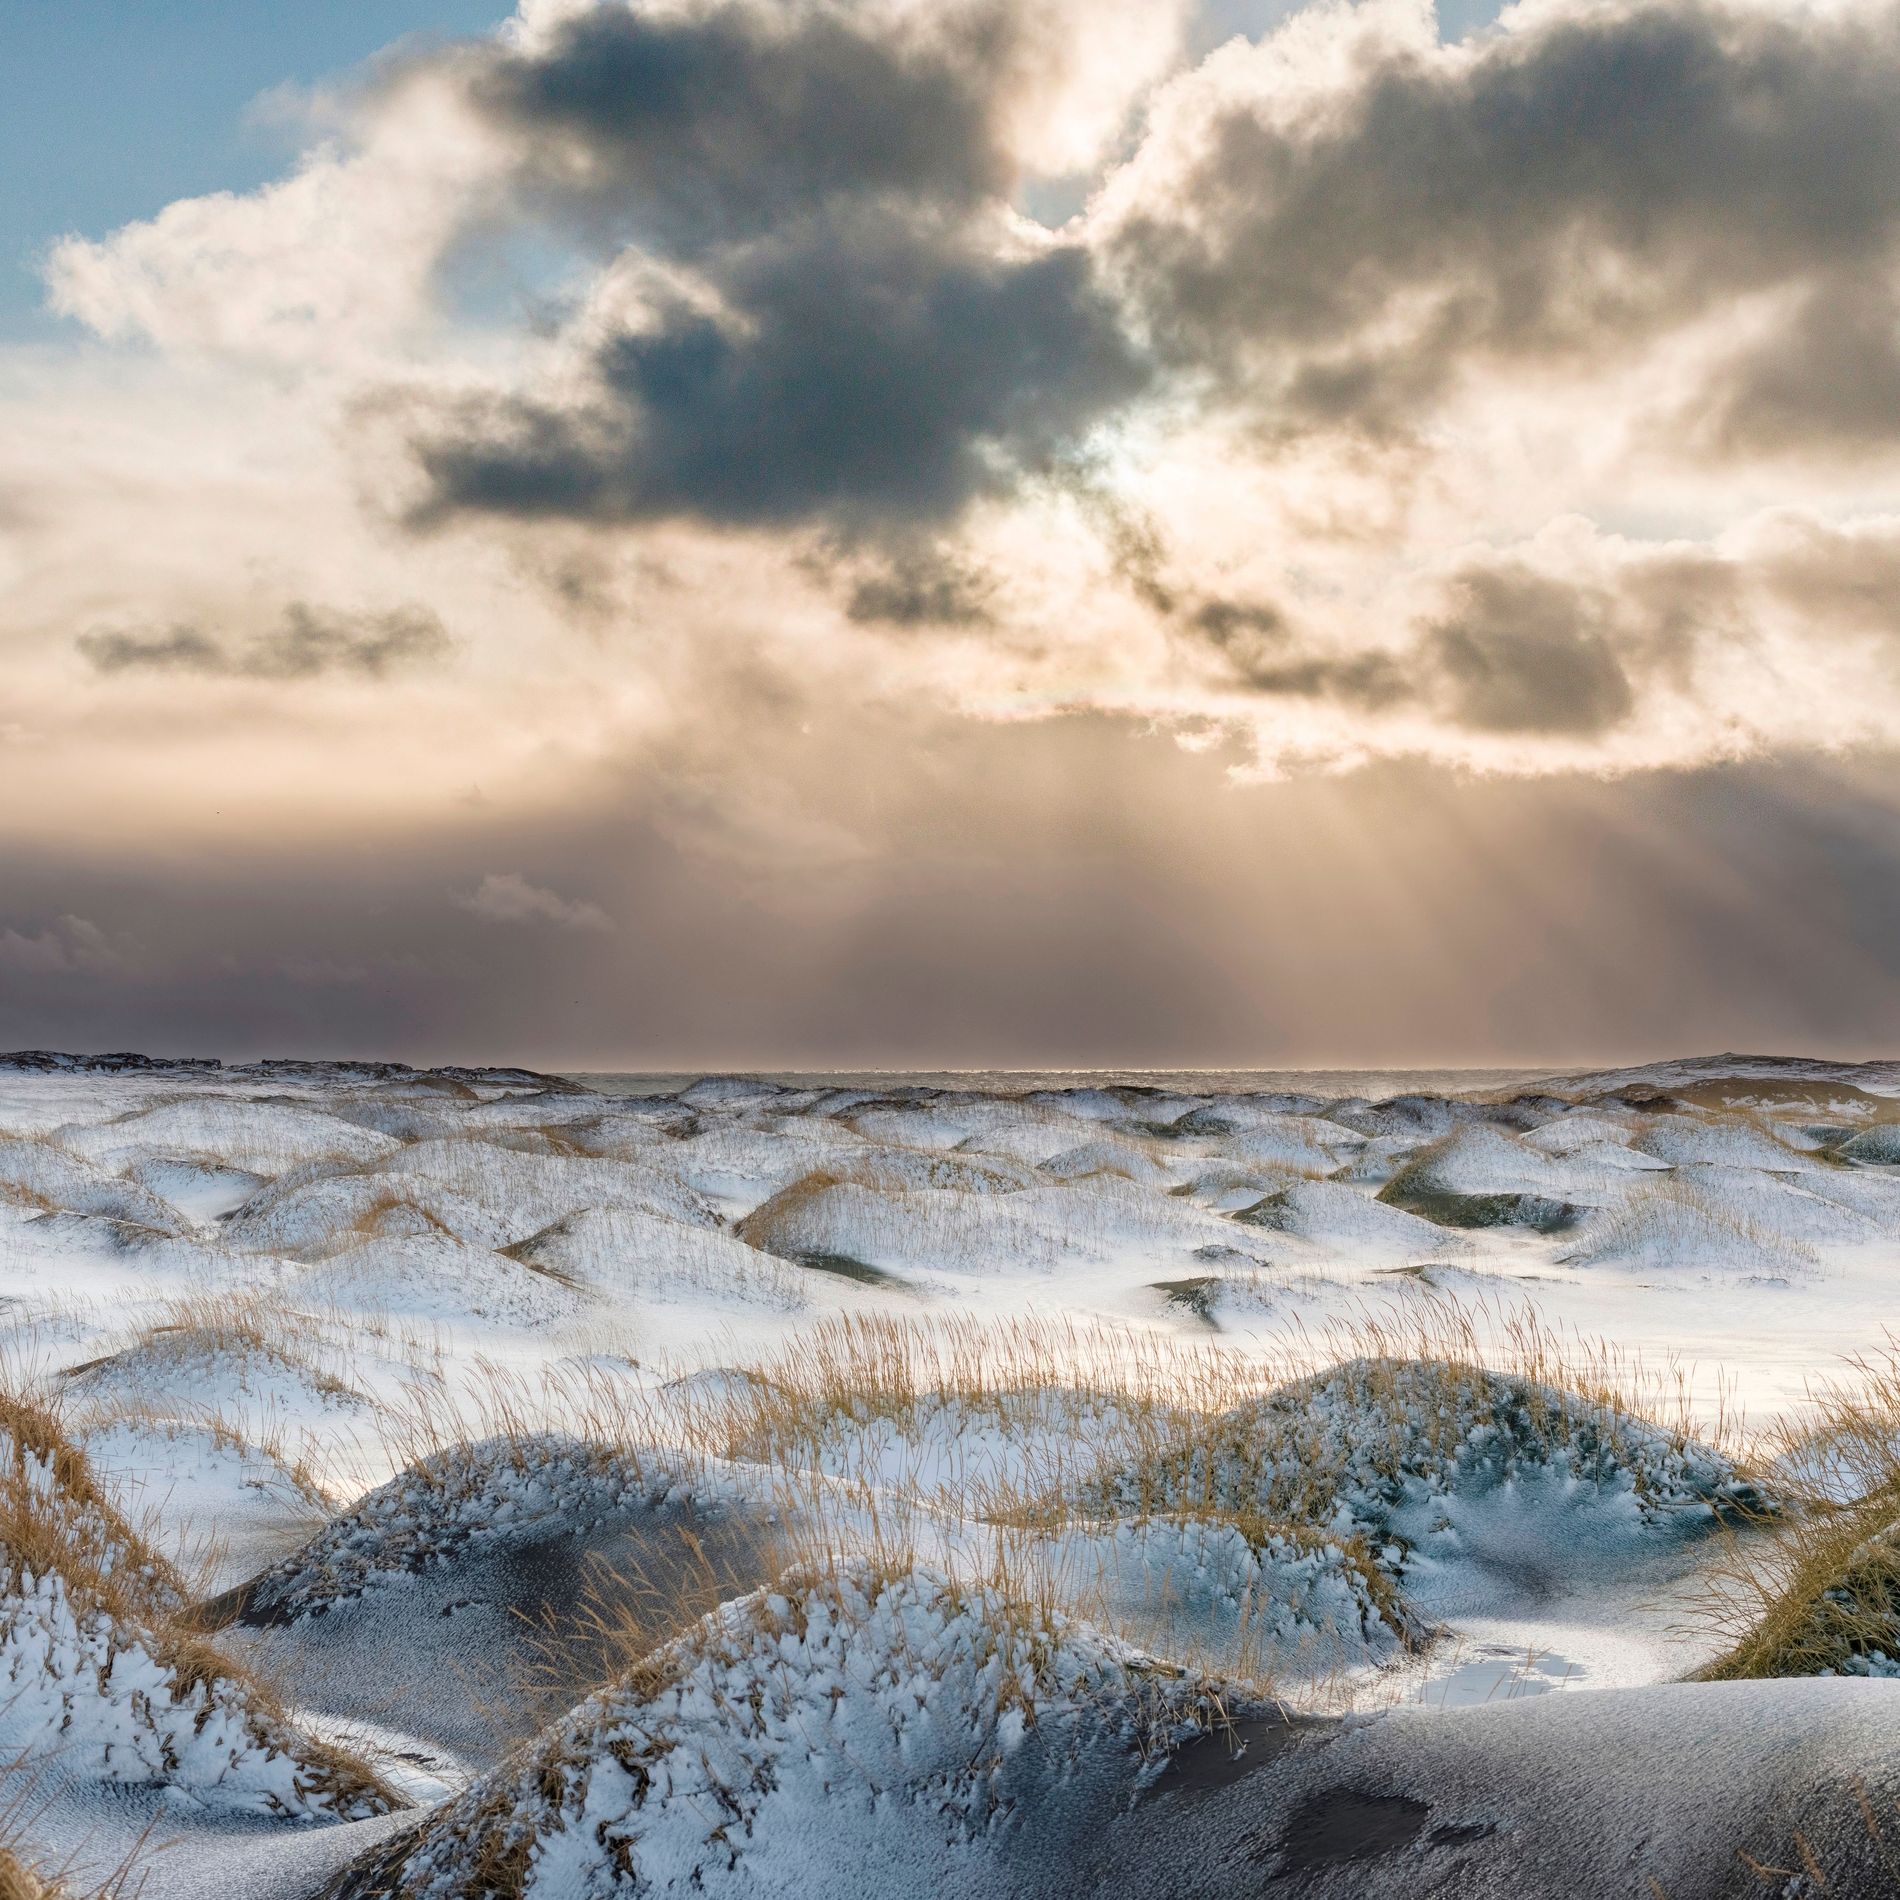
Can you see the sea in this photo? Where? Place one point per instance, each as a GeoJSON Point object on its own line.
{"type": "Point", "coordinates": [1330, 1084]}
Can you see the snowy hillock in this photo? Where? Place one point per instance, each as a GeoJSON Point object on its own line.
{"type": "Point", "coordinates": [315, 1211]}
{"type": "Point", "coordinates": [1109, 1155]}
{"type": "Point", "coordinates": [471, 1498]}
{"type": "Point", "coordinates": [822, 1219]}
{"type": "Point", "coordinates": [922, 1125]}
{"type": "Point", "coordinates": [1587, 1129]}
{"type": "Point", "coordinates": [1879, 1144]}
{"type": "Point", "coordinates": [187, 1368]}
{"type": "Point", "coordinates": [476, 1191]}
{"type": "Point", "coordinates": [432, 1275]}
{"type": "Point", "coordinates": [1294, 1141]}
{"type": "Point", "coordinates": [842, 1727]}
{"type": "Point", "coordinates": [1354, 1446]}
{"type": "Point", "coordinates": [626, 1256]}
{"type": "Point", "coordinates": [1281, 1598]}
{"type": "Point", "coordinates": [45, 1174]}
{"type": "Point", "coordinates": [264, 1137]}
{"type": "Point", "coordinates": [1479, 1176]}
{"type": "Point", "coordinates": [100, 1684]}
{"type": "Point", "coordinates": [1419, 1117]}
{"type": "Point", "coordinates": [885, 1167]}
{"type": "Point", "coordinates": [1228, 1188]}
{"type": "Point", "coordinates": [1681, 1223]}
{"type": "Point", "coordinates": [1330, 1215]}
{"type": "Point", "coordinates": [198, 1489]}
{"type": "Point", "coordinates": [1689, 1140]}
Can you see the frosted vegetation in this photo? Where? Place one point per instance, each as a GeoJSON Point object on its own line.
{"type": "Point", "coordinates": [471, 1483]}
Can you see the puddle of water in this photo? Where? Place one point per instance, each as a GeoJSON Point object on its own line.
{"type": "Point", "coordinates": [1492, 1673]}
{"type": "Point", "coordinates": [1341, 1824]}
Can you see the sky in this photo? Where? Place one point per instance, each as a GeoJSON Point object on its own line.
{"type": "Point", "coordinates": [950, 533]}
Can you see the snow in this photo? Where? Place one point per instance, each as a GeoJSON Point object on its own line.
{"type": "Point", "coordinates": [85, 1697]}
{"type": "Point", "coordinates": [1346, 1224]}
{"type": "Point", "coordinates": [263, 1137]}
{"type": "Point", "coordinates": [1380, 1447]}
{"type": "Point", "coordinates": [184, 1372]}
{"type": "Point", "coordinates": [1879, 1144]}
{"type": "Point", "coordinates": [393, 1363]}
{"type": "Point", "coordinates": [1684, 1140]}
{"type": "Point", "coordinates": [208, 1496]}
{"type": "Point", "coordinates": [1479, 1159]}
{"type": "Point", "coordinates": [42, 1173]}
{"type": "Point", "coordinates": [475, 1498]}
{"type": "Point", "coordinates": [1270, 1601]}
{"type": "Point", "coordinates": [630, 1257]}
{"type": "Point", "coordinates": [894, 1710]}
{"type": "Point", "coordinates": [434, 1275]}
{"type": "Point", "coordinates": [96, 1685]}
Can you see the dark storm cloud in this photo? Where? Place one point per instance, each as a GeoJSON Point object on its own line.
{"type": "Point", "coordinates": [867, 352]}
{"type": "Point", "coordinates": [1525, 654]}
{"type": "Point", "coordinates": [923, 587]}
{"type": "Point", "coordinates": [1265, 654]}
{"type": "Point", "coordinates": [1522, 650]}
{"type": "Point", "coordinates": [835, 178]}
{"type": "Point", "coordinates": [306, 642]}
{"type": "Point", "coordinates": [1829, 374]}
{"type": "Point", "coordinates": [1570, 189]}
{"type": "Point", "coordinates": [687, 130]}
{"type": "Point", "coordinates": [874, 370]}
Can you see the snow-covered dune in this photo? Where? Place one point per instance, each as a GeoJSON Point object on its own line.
{"type": "Point", "coordinates": [875, 1487]}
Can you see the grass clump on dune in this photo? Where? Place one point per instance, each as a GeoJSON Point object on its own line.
{"type": "Point", "coordinates": [904, 1707]}
{"type": "Point", "coordinates": [19, 1882]}
{"type": "Point", "coordinates": [201, 1346]}
{"type": "Point", "coordinates": [1824, 1597]}
{"type": "Point", "coordinates": [1674, 1222]}
{"type": "Point", "coordinates": [1832, 1607]}
{"type": "Point", "coordinates": [1416, 1405]}
{"type": "Point", "coordinates": [1350, 1445]}
{"type": "Point", "coordinates": [100, 1677]}
{"type": "Point", "coordinates": [498, 1491]}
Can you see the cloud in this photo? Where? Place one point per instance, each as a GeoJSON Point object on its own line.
{"type": "Point", "coordinates": [1350, 221]}
{"type": "Point", "coordinates": [1526, 405]}
{"type": "Point", "coordinates": [1523, 653]}
{"type": "Point", "coordinates": [818, 306]}
{"type": "Point", "coordinates": [710, 120]}
{"type": "Point", "coordinates": [690, 128]}
{"type": "Point", "coordinates": [1826, 375]}
{"type": "Point", "coordinates": [67, 946]}
{"type": "Point", "coordinates": [864, 369]}
{"type": "Point", "coordinates": [924, 586]}
{"type": "Point", "coordinates": [506, 897]}
{"type": "Point", "coordinates": [328, 270]}
{"type": "Point", "coordinates": [307, 642]}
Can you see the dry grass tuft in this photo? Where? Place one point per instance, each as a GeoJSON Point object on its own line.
{"type": "Point", "coordinates": [1823, 1597]}
{"type": "Point", "coordinates": [18, 1882]}
{"type": "Point", "coordinates": [57, 1522]}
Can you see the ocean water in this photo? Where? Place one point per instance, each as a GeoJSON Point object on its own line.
{"type": "Point", "coordinates": [1332, 1084]}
